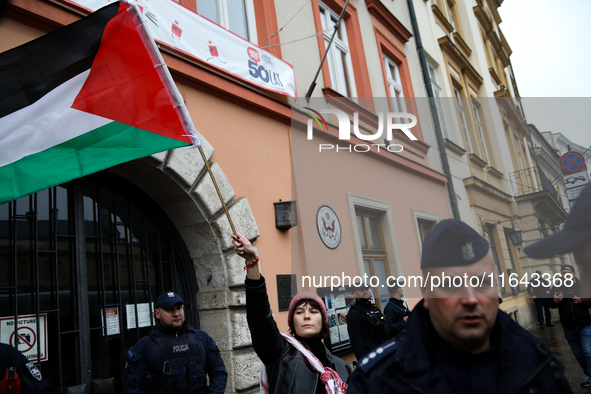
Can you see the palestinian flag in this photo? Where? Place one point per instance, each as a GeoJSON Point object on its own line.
{"type": "Point", "coordinates": [86, 97]}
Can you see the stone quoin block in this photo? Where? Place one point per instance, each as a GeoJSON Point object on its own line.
{"type": "Point", "coordinates": [185, 164]}
{"type": "Point", "coordinates": [206, 194]}
{"type": "Point", "coordinates": [243, 220]}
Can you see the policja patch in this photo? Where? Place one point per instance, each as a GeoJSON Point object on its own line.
{"type": "Point", "coordinates": [34, 371]}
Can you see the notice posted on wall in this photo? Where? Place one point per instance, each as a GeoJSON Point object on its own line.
{"type": "Point", "coordinates": [29, 339]}
{"type": "Point", "coordinates": [112, 326]}
{"type": "Point", "coordinates": [145, 315]}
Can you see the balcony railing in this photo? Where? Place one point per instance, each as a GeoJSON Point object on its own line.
{"type": "Point", "coordinates": [531, 180]}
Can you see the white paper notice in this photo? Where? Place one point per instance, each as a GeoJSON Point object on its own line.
{"type": "Point", "coordinates": [343, 332]}
{"type": "Point", "coordinates": [334, 334]}
{"type": "Point", "coordinates": [112, 321]}
{"type": "Point", "coordinates": [145, 313]}
{"type": "Point", "coordinates": [339, 302]}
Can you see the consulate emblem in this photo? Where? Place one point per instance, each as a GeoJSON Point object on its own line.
{"type": "Point", "coordinates": [329, 227]}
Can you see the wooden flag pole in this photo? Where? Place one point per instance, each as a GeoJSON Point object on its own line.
{"type": "Point", "coordinates": [217, 188]}
{"type": "Point", "coordinates": [183, 109]}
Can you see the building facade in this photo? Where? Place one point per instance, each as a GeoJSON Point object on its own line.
{"type": "Point", "coordinates": [103, 247]}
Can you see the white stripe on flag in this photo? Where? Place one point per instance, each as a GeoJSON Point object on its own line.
{"type": "Point", "coordinates": [48, 122]}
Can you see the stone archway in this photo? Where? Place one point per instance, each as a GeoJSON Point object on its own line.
{"type": "Point", "coordinates": [177, 180]}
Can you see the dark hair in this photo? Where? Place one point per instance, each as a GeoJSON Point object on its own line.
{"type": "Point", "coordinates": [567, 266]}
{"type": "Point", "coordinates": [324, 331]}
{"type": "Point", "coordinates": [393, 288]}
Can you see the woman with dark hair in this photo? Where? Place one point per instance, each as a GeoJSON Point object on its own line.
{"type": "Point", "coordinates": [292, 364]}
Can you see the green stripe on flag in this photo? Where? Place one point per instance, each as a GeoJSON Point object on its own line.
{"type": "Point", "coordinates": [105, 147]}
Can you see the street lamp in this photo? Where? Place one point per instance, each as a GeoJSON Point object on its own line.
{"type": "Point", "coordinates": [286, 215]}
{"type": "Point", "coordinates": [515, 236]}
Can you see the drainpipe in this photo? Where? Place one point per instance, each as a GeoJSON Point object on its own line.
{"type": "Point", "coordinates": [453, 200]}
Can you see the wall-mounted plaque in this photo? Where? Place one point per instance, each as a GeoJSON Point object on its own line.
{"type": "Point", "coordinates": [286, 289]}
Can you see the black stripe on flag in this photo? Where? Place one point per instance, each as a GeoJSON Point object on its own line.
{"type": "Point", "coordinates": [32, 70]}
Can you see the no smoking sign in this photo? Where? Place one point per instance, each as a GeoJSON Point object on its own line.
{"type": "Point", "coordinates": [26, 338]}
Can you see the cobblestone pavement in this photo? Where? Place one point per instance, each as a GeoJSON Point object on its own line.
{"type": "Point", "coordinates": [553, 337]}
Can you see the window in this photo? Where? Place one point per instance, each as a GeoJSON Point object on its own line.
{"type": "Point", "coordinates": [476, 109]}
{"type": "Point", "coordinates": [511, 270]}
{"type": "Point", "coordinates": [425, 222]}
{"type": "Point", "coordinates": [425, 228]}
{"type": "Point", "coordinates": [394, 86]}
{"type": "Point", "coordinates": [235, 15]}
{"type": "Point", "coordinates": [451, 14]}
{"type": "Point", "coordinates": [374, 254]}
{"type": "Point", "coordinates": [462, 115]}
{"type": "Point", "coordinates": [493, 250]}
{"type": "Point", "coordinates": [438, 100]}
{"type": "Point", "coordinates": [338, 58]}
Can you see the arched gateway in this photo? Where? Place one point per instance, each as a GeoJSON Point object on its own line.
{"type": "Point", "coordinates": [82, 261]}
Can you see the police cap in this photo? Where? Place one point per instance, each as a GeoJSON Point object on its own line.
{"type": "Point", "coordinates": [453, 243]}
{"type": "Point", "coordinates": [167, 300]}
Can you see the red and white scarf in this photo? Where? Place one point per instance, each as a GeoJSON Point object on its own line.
{"type": "Point", "coordinates": [332, 382]}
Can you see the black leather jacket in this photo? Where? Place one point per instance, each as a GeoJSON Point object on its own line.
{"type": "Point", "coordinates": [287, 370]}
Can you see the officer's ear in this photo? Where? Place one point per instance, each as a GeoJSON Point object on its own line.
{"type": "Point", "coordinates": [157, 313]}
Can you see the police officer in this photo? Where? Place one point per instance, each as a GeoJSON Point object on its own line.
{"type": "Point", "coordinates": [174, 358]}
{"type": "Point", "coordinates": [19, 375]}
{"type": "Point", "coordinates": [457, 340]}
{"type": "Point", "coordinates": [572, 296]}
{"type": "Point", "coordinates": [539, 290]}
{"type": "Point", "coordinates": [396, 312]}
{"type": "Point", "coordinates": [366, 324]}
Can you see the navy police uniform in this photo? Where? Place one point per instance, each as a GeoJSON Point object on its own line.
{"type": "Point", "coordinates": [175, 361]}
{"type": "Point", "coordinates": [395, 312]}
{"type": "Point", "coordinates": [27, 375]}
{"type": "Point", "coordinates": [366, 326]}
{"type": "Point", "coordinates": [420, 361]}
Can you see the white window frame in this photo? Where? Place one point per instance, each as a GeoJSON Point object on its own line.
{"type": "Point", "coordinates": [384, 209]}
{"type": "Point", "coordinates": [451, 15]}
{"type": "Point", "coordinates": [337, 80]}
{"type": "Point", "coordinates": [476, 110]}
{"type": "Point", "coordinates": [224, 19]}
{"type": "Point", "coordinates": [394, 85]}
{"type": "Point", "coordinates": [438, 100]}
{"type": "Point", "coordinates": [463, 122]}
{"type": "Point", "coordinates": [423, 215]}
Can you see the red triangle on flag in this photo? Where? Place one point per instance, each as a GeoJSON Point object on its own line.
{"type": "Point", "coordinates": [126, 85]}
